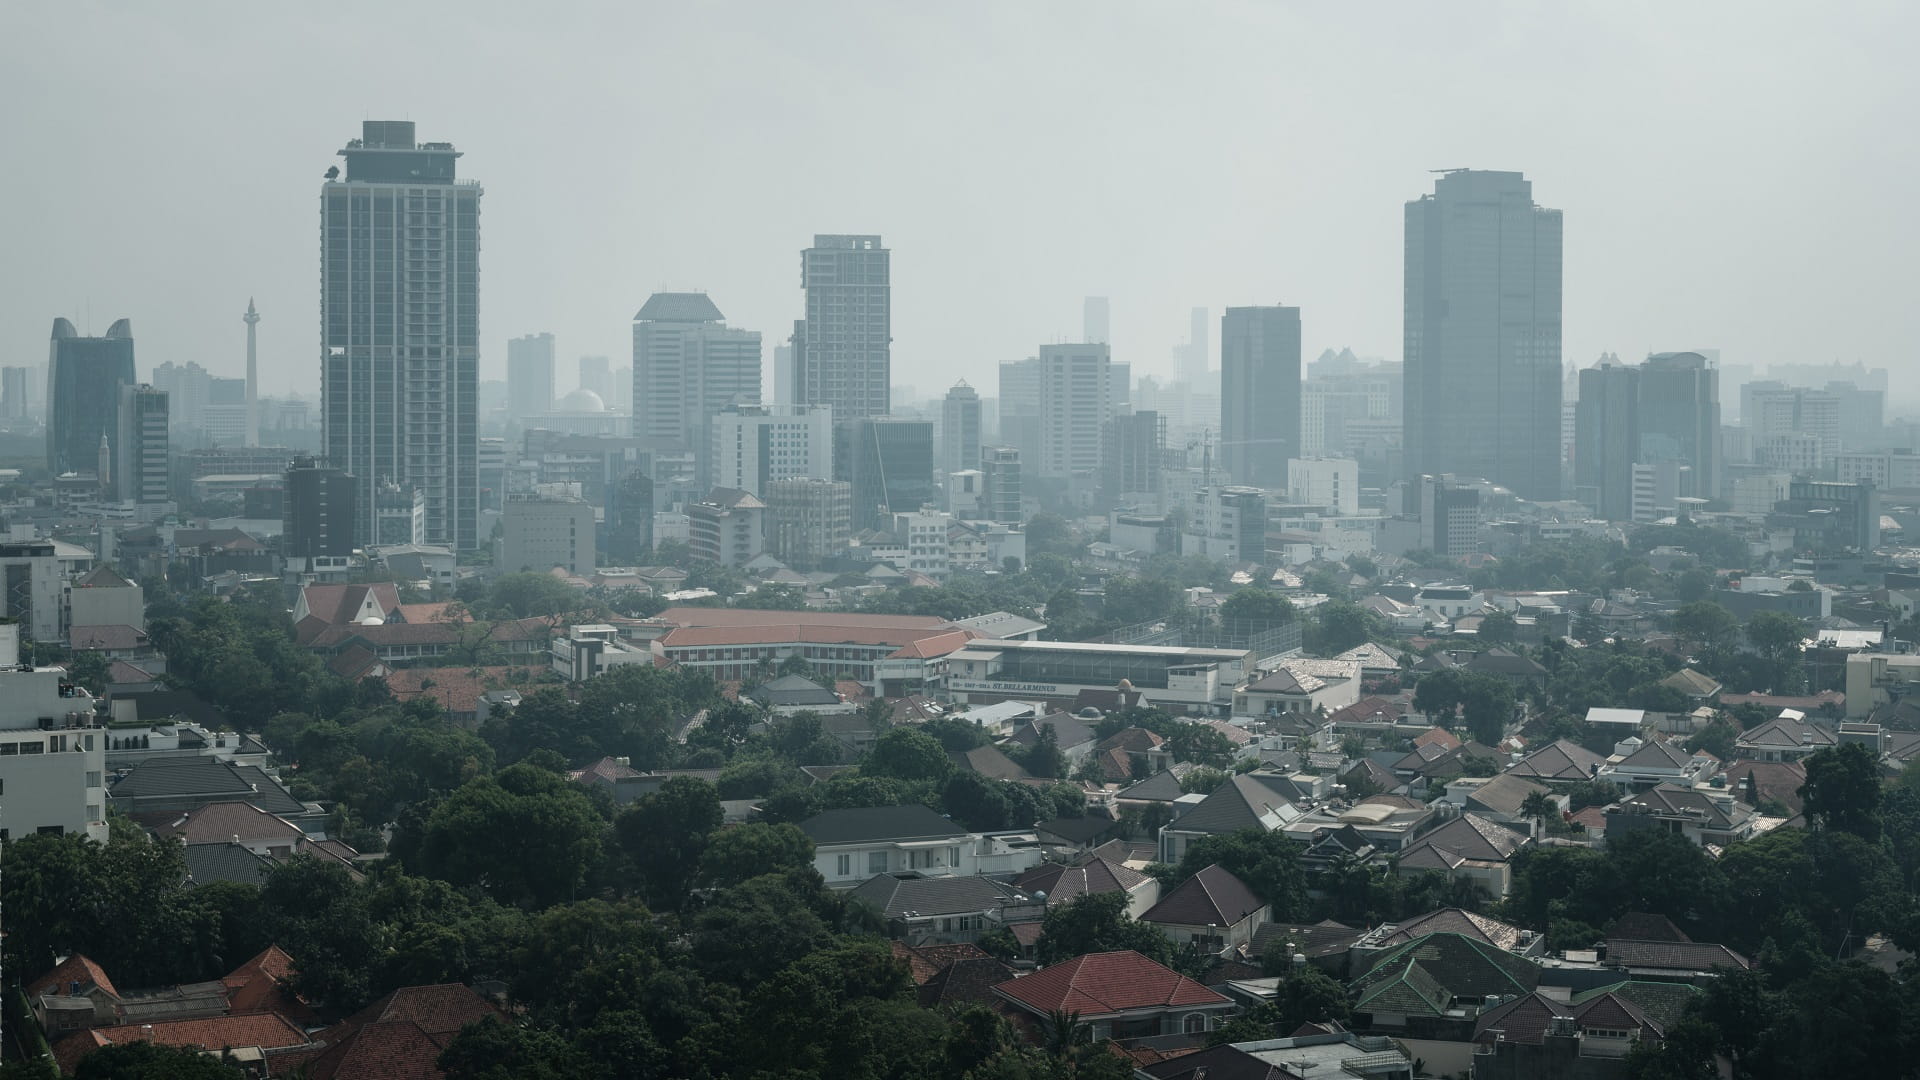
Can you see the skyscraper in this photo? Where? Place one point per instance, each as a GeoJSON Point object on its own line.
{"type": "Point", "coordinates": [1606, 437]}
{"type": "Point", "coordinates": [140, 445]}
{"type": "Point", "coordinates": [889, 462]}
{"type": "Point", "coordinates": [1638, 429]}
{"type": "Point", "coordinates": [84, 377]}
{"type": "Point", "coordinates": [688, 364]}
{"type": "Point", "coordinates": [1482, 333]}
{"type": "Point", "coordinates": [960, 428]}
{"type": "Point", "coordinates": [842, 351]}
{"type": "Point", "coordinates": [1195, 354]}
{"type": "Point", "coordinates": [400, 327]}
{"type": "Point", "coordinates": [1680, 418]}
{"type": "Point", "coordinates": [1076, 401]}
{"type": "Point", "coordinates": [1259, 394]}
{"type": "Point", "coordinates": [14, 404]}
{"type": "Point", "coordinates": [318, 522]}
{"type": "Point", "coordinates": [529, 375]}
{"type": "Point", "coordinates": [1000, 473]}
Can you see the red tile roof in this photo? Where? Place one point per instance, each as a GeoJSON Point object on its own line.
{"type": "Point", "coordinates": [710, 617]}
{"type": "Point", "coordinates": [265, 1029]}
{"type": "Point", "coordinates": [1103, 984]}
{"type": "Point", "coordinates": [221, 822]}
{"type": "Point", "coordinates": [457, 689]}
{"type": "Point", "coordinates": [61, 978]}
{"type": "Point", "coordinates": [934, 645]}
{"type": "Point", "coordinates": [399, 1037]}
{"type": "Point", "coordinates": [261, 984]}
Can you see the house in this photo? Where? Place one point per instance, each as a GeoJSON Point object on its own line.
{"type": "Point", "coordinates": [266, 1032]}
{"type": "Point", "coordinates": [1439, 761]}
{"type": "Point", "coordinates": [1062, 883]}
{"type": "Point", "coordinates": [1558, 762]}
{"type": "Point", "coordinates": [1317, 1053]}
{"type": "Point", "coordinates": [989, 762]}
{"type": "Point", "coordinates": [1075, 738]}
{"type": "Point", "coordinates": [1471, 848]}
{"type": "Point", "coordinates": [400, 1036]}
{"type": "Point", "coordinates": [1787, 737]}
{"type": "Point", "coordinates": [1520, 670]}
{"type": "Point", "coordinates": [237, 823]}
{"type": "Point", "coordinates": [173, 785]}
{"type": "Point", "coordinates": [469, 696]}
{"type": "Point", "coordinates": [1162, 788]}
{"type": "Point", "coordinates": [851, 846]}
{"type": "Point", "coordinates": [791, 694]}
{"type": "Point", "coordinates": [1469, 924]}
{"type": "Point", "coordinates": [614, 775]}
{"type": "Point", "coordinates": [1536, 1035]}
{"type": "Point", "coordinates": [1118, 995]}
{"type": "Point", "coordinates": [1500, 798]}
{"type": "Point", "coordinates": [1300, 686]}
{"type": "Point", "coordinates": [1071, 836]}
{"type": "Point", "coordinates": [923, 910]}
{"type": "Point", "coordinates": [1618, 724]}
{"type": "Point", "coordinates": [1637, 766]}
{"type": "Point", "coordinates": [1369, 714]}
{"type": "Point", "coordinates": [1213, 911]}
{"type": "Point", "coordinates": [77, 993]}
{"type": "Point", "coordinates": [1759, 783]}
{"type": "Point", "coordinates": [1430, 987]}
{"type": "Point", "coordinates": [1711, 817]}
{"type": "Point", "coordinates": [1325, 944]}
{"type": "Point", "coordinates": [1376, 661]}
{"type": "Point", "coordinates": [1700, 689]}
{"type": "Point", "coordinates": [1255, 800]}
{"type": "Point", "coordinates": [952, 974]}
{"type": "Point", "coordinates": [1141, 751]}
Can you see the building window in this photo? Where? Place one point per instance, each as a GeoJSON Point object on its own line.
{"type": "Point", "coordinates": [1194, 1024]}
{"type": "Point", "coordinates": [844, 867]}
{"type": "Point", "coordinates": [93, 779]}
{"type": "Point", "coordinates": [876, 862]}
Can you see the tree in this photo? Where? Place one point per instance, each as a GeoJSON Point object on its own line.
{"type": "Point", "coordinates": [1499, 627]}
{"type": "Point", "coordinates": [906, 753]}
{"type": "Point", "coordinates": [1267, 862]}
{"type": "Point", "coordinates": [1044, 759]}
{"type": "Point", "coordinates": [1705, 625]}
{"type": "Point", "coordinates": [1842, 790]}
{"type": "Point", "coordinates": [738, 854]}
{"type": "Point", "coordinates": [1202, 781]}
{"type": "Point", "coordinates": [1341, 626]}
{"type": "Point", "coordinates": [1486, 702]}
{"type": "Point", "coordinates": [1253, 609]}
{"type": "Point", "coordinates": [526, 837]}
{"type": "Point", "coordinates": [1539, 806]}
{"type": "Point", "coordinates": [491, 1050]}
{"type": "Point", "coordinates": [1098, 922]}
{"type": "Point", "coordinates": [665, 833]}
{"type": "Point", "coordinates": [1776, 636]}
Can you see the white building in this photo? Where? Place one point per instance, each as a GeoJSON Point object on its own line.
{"type": "Point", "coordinates": [52, 750]}
{"type": "Point", "coordinates": [541, 531]}
{"type": "Point", "coordinates": [754, 445]}
{"type": "Point", "coordinates": [1330, 482]}
{"type": "Point", "coordinates": [591, 648]}
{"type": "Point", "coordinates": [851, 846]}
{"type": "Point", "coordinates": [727, 528]}
{"type": "Point", "coordinates": [1076, 400]}
{"type": "Point", "coordinates": [1226, 524]}
{"type": "Point", "coordinates": [34, 586]}
{"type": "Point", "coordinates": [960, 428]}
{"type": "Point", "coordinates": [924, 535]}
{"type": "Point", "coordinates": [1893, 469]}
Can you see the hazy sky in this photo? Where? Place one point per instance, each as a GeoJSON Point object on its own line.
{"type": "Point", "coordinates": [1733, 175]}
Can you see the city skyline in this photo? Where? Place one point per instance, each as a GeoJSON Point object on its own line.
{"type": "Point", "coordinates": [1323, 238]}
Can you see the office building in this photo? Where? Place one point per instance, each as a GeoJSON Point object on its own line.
{"type": "Point", "coordinates": [1893, 469]}
{"type": "Point", "coordinates": [783, 373]}
{"type": "Point", "coordinates": [84, 377]}
{"type": "Point", "coordinates": [1482, 333]}
{"type": "Point", "coordinates": [16, 395]}
{"type": "Point", "coordinates": [1195, 358]}
{"type": "Point", "coordinates": [1679, 420]}
{"type": "Point", "coordinates": [1259, 394]}
{"type": "Point", "coordinates": [1003, 492]}
{"type": "Point", "coordinates": [400, 327]}
{"type": "Point", "coordinates": [1020, 406]}
{"type": "Point", "coordinates": [754, 445]}
{"type": "Point", "coordinates": [399, 515]}
{"type": "Point", "coordinates": [32, 582]}
{"type": "Point", "coordinates": [688, 364]}
{"type": "Point", "coordinates": [842, 350]}
{"type": "Point", "coordinates": [1226, 524]}
{"type": "Point", "coordinates": [1096, 317]}
{"type": "Point", "coordinates": [727, 528]}
{"type": "Point", "coordinates": [1076, 401]}
{"type": "Point", "coordinates": [889, 462]}
{"type": "Point", "coordinates": [542, 530]}
{"type": "Point", "coordinates": [1449, 516]}
{"type": "Point", "coordinates": [529, 374]}
{"type": "Point", "coordinates": [629, 518]}
{"type": "Point", "coordinates": [1779, 418]}
{"type": "Point", "coordinates": [140, 446]}
{"type": "Point", "coordinates": [808, 520]}
{"type": "Point", "coordinates": [1606, 441]}
{"type": "Point", "coordinates": [960, 428]}
{"type": "Point", "coordinates": [319, 528]}
{"type": "Point", "coordinates": [189, 388]}
{"type": "Point", "coordinates": [1134, 458]}
{"type": "Point", "coordinates": [1828, 517]}
{"type": "Point", "coordinates": [1330, 483]}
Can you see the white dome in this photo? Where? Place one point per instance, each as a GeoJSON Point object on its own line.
{"type": "Point", "coordinates": [373, 620]}
{"type": "Point", "coordinates": [582, 400]}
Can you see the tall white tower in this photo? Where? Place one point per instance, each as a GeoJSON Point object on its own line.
{"type": "Point", "coordinates": [252, 319]}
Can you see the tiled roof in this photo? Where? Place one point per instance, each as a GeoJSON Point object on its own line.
{"type": "Point", "coordinates": [64, 974]}
{"type": "Point", "coordinates": [337, 604]}
{"type": "Point", "coordinates": [1675, 955]}
{"type": "Point", "coordinates": [1656, 754]}
{"type": "Point", "coordinates": [430, 633]}
{"type": "Point", "coordinates": [457, 689]}
{"type": "Point", "coordinates": [898, 895]}
{"type": "Point", "coordinates": [208, 863]}
{"type": "Point", "coordinates": [1778, 781]}
{"type": "Point", "coordinates": [1464, 966]}
{"type": "Point", "coordinates": [1133, 740]}
{"type": "Point", "coordinates": [1505, 793]}
{"type": "Point", "coordinates": [1067, 731]}
{"type": "Point", "coordinates": [1505, 662]}
{"type": "Point", "coordinates": [988, 761]}
{"type": "Point", "coordinates": [1644, 926]}
{"type": "Point", "coordinates": [262, 983]}
{"type": "Point", "coordinates": [265, 1029]}
{"type": "Point", "coordinates": [1409, 989]}
{"type": "Point", "coordinates": [879, 823]}
{"type": "Point", "coordinates": [1102, 984]}
{"type": "Point", "coordinates": [1212, 897]}
{"type": "Point", "coordinates": [1664, 1003]}
{"type": "Point", "coordinates": [124, 673]}
{"type": "Point", "coordinates": [158, 779]}
{"type": "Point", "coordinates": [112, 637]}
{"type": "Point", "coordinates": [794, 690]}
{"type": "Point", "coordinates": [1470, 924]}
{"type": "Point", "coordinates": [222, 821]}
{"type": "Point", "coordinates": [1438, 736]}
{"type": "Point", "coordinates": [1692, 683]}
{"type": "Point", "coordinates": [352, 661]}
{"type": "Point", "coordinates": [933, 645]}
{"type": "Point", "coordinates": [1786, 733]}
{"type": "Point", "coordinates": [162, 706]}
{"type": "Point", "coordinates": [1324, 938]}
{"type": "Point", "coordinates": [1215, 1063]}
{"type": "Point", "coordinates": [1089, 874]}
{"type": "Point", "coordinates": [102, 577]}
{"type": "Point", "coordinates": [1558, 760]}
{"type": "Point", "coordinates": [1240, 803]}
{"type": "Point", "coordinates": [1673, 800]}
{"type": "Point", "coordinates": [1371, 655]}
{"type": "Point", "coordinates": [1468, 836]}
{"type": "Point", "coordinates": [1374, 709]}
{"type": "Point", "coordinates": [964, 981]}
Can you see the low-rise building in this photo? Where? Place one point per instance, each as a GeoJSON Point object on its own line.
{"type": "Point", "coordinates": [52, 750]}
{"type": "Point", "coordinates": [1212, 911]}
{"type": "Point", "coordinates": [1174, 678]}
{"type": "Point", "coordinates": [588, 649]}
{"type": "Point", "coordinates": [727, 528]}
{"type": "Point", "coordinates": [1120, 996]}
{"type": "Point", "coordinates": [1300, 685]}
{"type": "Point", "coordinates": [851, 846]}
{"type": "Point", "coordinates": [541, 531]}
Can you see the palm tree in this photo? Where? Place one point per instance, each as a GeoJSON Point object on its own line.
{"type": "Point", "coordinates": [1061, 1032]}
{"type": "Point", "coordinates": [1539, 806]}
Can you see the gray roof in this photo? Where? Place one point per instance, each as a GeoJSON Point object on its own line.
{"type": "Point", "coordinates": [874, 824]}
{"type": "Point", "coordinates": [1237, 804]}
{"type": "Point", "coordinates": [678, 307]}
{"type": "Point", "coordinates": [1657, 754]}
{"type": "Point", "coordinates": [204, 780]}
{"type": "Point", "coordinates": [898, 894]}
{"type": "Point", "coordinates": [794, 690]}
{"type": "Point", "coordinates": [1163, 786]}
{"type": "Point", "coordinates": [1067, 730]}
{"type": "Point", "coordinates": [208, 863]}
{"type": "Point", "coordinates": [1505, 793]}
